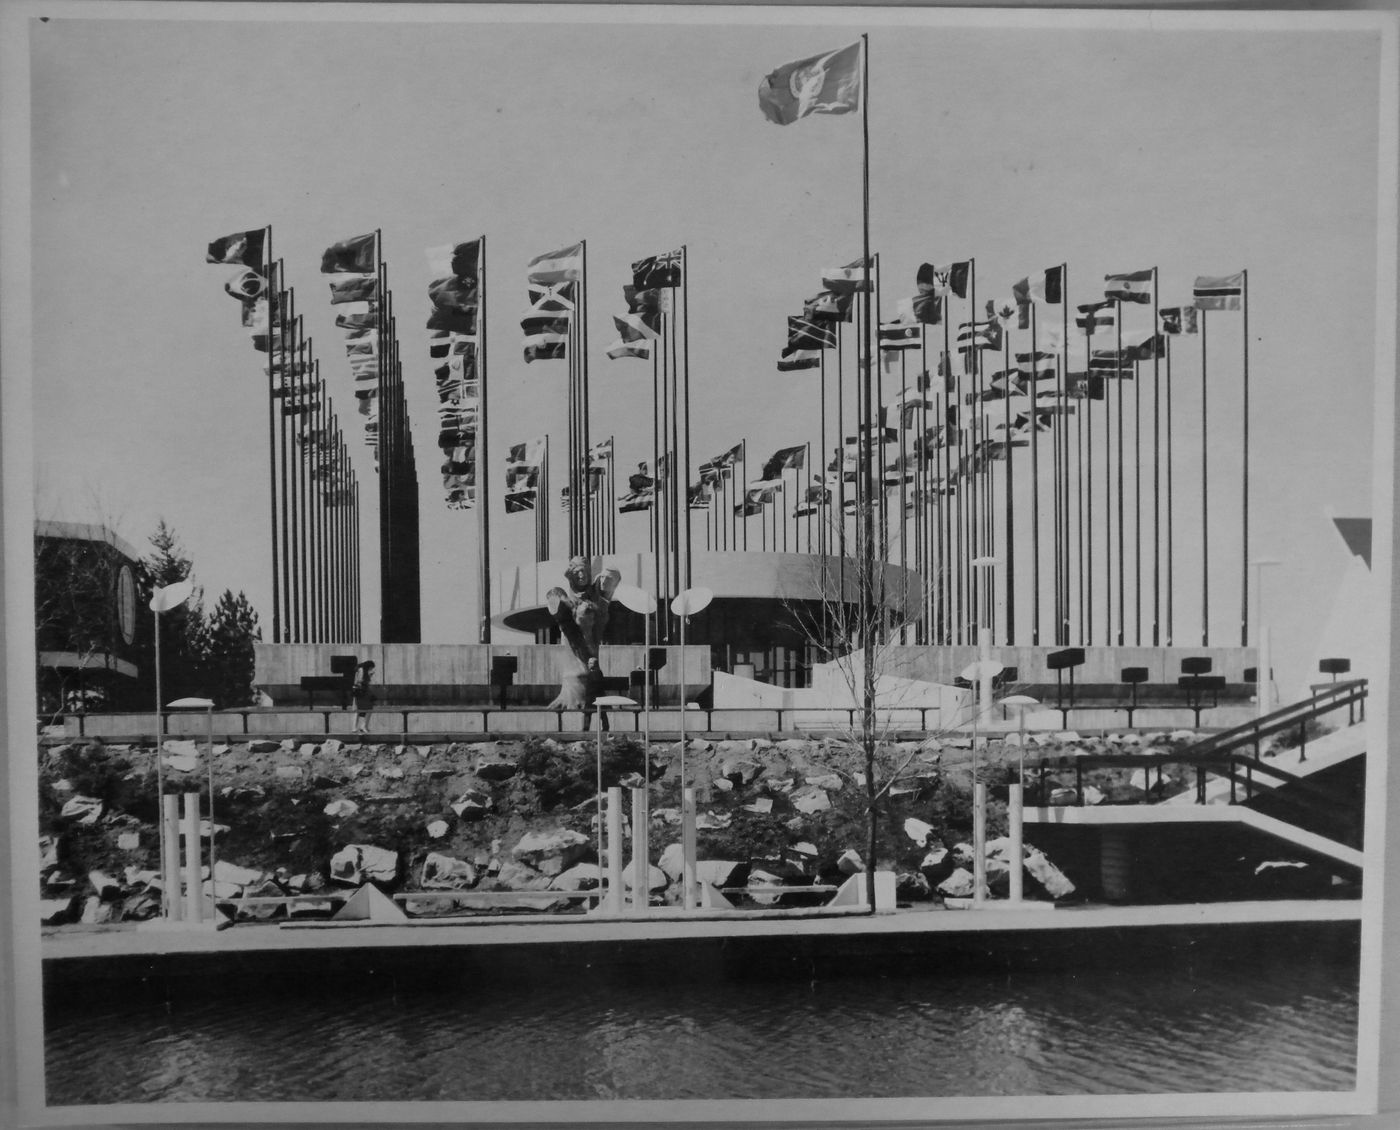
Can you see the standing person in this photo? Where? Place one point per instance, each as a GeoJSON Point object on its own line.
{"type": "Point", "coordinates": [363, 693]}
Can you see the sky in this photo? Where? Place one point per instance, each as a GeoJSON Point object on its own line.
{"type": "Point", "coordinates": [1139, 142]}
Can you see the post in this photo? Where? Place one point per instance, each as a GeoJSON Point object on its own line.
{"type": "Point", "coordinates": [194, 887]}
{"type": "Point", "coordinates": [483, 508]}
{"type": "Point", "coordinates": [170, 857]}
{"type": "Point", "coordinates": [641, 864]}
{"type": "Point", "coordinates": [688, 848]}
{"type": "Point", "coordinates": [613, 854]}
{"type": "Point", "coordinates": [979, 841]}
{"type": "Point", "coordinates": [171, 909]}
{"type": "Point", "coordinates": [1016, 818]}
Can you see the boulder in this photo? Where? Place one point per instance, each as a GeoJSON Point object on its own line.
{"type": "Point", "coordinates": [672, 861]}
{"type": "Point", "coordinates": [390, 772]}
{"type": "Point", "coordinates": [496, 770]}
{"type": "Point", "coordinates": [762, 806]}
{"type": "Point", "coordinates": [97, 912]}
{"type": "Point", "coordinates": [82, 809]}
{"type": "Point", "coordinates": [139, 906]}
{"type": "Point", "coordinates": [656, 878]}
{"type": "Point", "coordinates": [669, 816]}
{"type": "Point", "coordinates": [57, 912]}
{"type": "Point", "coordinates": [516, 876]}
{"type": "Point", "coordinates": [712, 821]}
{"type": "Point", "coordinates": [1054, 882]}
{"type": "Point", "coordinates": [829, 781]}
{"type": "Point", "coordinates": [442, 872]}
{"type": "Point", "coordinates": [802, 854]}
{"type": "Point", "coordinates": [1061, 797]}
{"type": "Point", "coordinates": [723, 784]}
{"type": "Point", "coordinates": [912, 886]}
{"type": "Point", "coordinates": [849, 862]}
{"type": "Point", "coordinates": [579, 877]}
{"type": "Point", "coordinates": [1092, 795]}
{"type": "Point", "coordinates": [761, 881]}
{"type": "Point", "coordinates": [48, 853]}
{"type": "Point", "coordinates": [331, 746]}
{"type": "Point", "coordinates": [129, 841]}
{"type": "Point", "coordinates": [436, 829]}
{"type": "Point", "coordinates": [181, 762]}
{"type": "Point", "coordinates": [61, 787]}
{"type": "Point", "coordinates": [739, 771]}
{"type": "Point", "coordinates": [534, 846]}
{"type": "Point", "coordinates": [236, 875]}
{"type": "Point", "coordinates": [307, 749]}
{"type": "Point", "coordinates": [918, 831]}
{"type": "Point", "coordinates": [262, 745]}
{"type": "Point", "coordinates": [105, 886]}
{"type": "Point", "coordinates": [471, 805]}
{"type": "Point", "coordinates": [355, 864]}
{"type": "Point", "coordinates": [289, 773]}
{"type": "Point", "coordinates": [288, 744]}
{"type": "Point", "coordinates": [718, 872]}
{"type": "Point", "coordinates": [810, 800]}
{"type": "Point", "coordinates": [180, 748]}
{"type": "Point", "coordinates": [957, 885]}
{"type": "Point", "coordinates": [341, 808]}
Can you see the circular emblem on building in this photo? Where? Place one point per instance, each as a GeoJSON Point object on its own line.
{"type": "Point", "coordinates": [126, 603]}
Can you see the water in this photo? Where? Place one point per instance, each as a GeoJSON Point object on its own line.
{"type": "Point", "coordinates": [1278, 1025]}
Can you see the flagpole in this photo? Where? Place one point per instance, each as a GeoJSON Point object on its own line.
{"type": "Point", "coordinates": [1205, 496]}
{"type": "Point", "coordinates": [868, 658]}
{"type": "Point", "coordinates": [276, 350]}
{"type": "Point", "coordinates": [679, 472]}
{"type": "Point", "coordinates": [903, 499]}
{"type": "Point", "coordinates": [1137, 501]}
{"type": "Point", "coordinates": [1118, 372]}
{"type": "Point", "coordinates": [288, 596]}
{"type": "Point", "coordinates": [973, 509]}
{"type": "Point", "coordinates": [950, 589]}
{"type": "Point", "coordinates": [1035, 487]}
{"type": "Point", "coordinates": [1007, 484]}
{"type": "Point", "coordinates": [1156, 472]}
{"type": "Point", "coordinates": [584, 408]}
{"type": "Point", "coordinates": [1244, 483]}
{"type": "Point", "coordinates": [483, 497]}
{"type": "Point", "coordinates": [1171, 547]}
{"type": "Point", "coordinates": [685, 369]}
{"type": "Point", "coordinates": [840, 467]}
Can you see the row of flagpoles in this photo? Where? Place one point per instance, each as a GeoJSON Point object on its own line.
{"type": "Point", "coordinates": [314, 495]}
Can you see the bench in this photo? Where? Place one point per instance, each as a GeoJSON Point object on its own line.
{"type": "Point", "coordinates": [340, 682]}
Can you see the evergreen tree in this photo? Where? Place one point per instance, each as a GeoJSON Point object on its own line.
{"type": "Point", "coordinates": [182, 630]}
{"type": "Point", "coordinates": [232, 627]}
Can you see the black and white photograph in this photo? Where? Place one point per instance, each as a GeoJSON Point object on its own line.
{"type": "Point", "coordinates": [610, 563]}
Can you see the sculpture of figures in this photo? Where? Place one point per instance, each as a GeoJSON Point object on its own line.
{"type": "Point", "coordinates": [582, 616]}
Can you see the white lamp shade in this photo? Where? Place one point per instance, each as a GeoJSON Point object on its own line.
{"type": "Point", "coordinates": [172, 596]}
{"type": "Point", "coordinates": [637, 599]}
{"type": "Point", "coordinates": [613, 700]}
{"type": "Point", "coordinates": [692, 601]}
{"type": "Point", "coordinates": [191, 704]}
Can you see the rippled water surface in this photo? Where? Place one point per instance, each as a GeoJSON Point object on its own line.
{"type": "Point", "coordinates": [1282, 1025]}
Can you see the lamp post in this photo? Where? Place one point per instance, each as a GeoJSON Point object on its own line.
{"type": "Point", "coordinates": [1264, 678]}
{"type": "Point", "coordinates": [1015, 797]}
{"type": "Point", "coordinates": [640, 601]}
{"type": "Point", "coordinates": [164, 600]}
{"type": "Point", "coordinates": [986, 671]}
{"type": "Point", "coordinates": [602, 702]}
{"type": "Point", "coordinates": [686, 605]}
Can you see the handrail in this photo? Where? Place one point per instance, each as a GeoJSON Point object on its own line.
{"type": "Point", "coordinates": [1349, 693]}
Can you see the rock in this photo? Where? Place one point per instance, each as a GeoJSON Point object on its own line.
{"type": "Point", "coordinates": [219, 829]}
{"type": "Point", "coordinates": [740, 771]}
{"type": "Point", "coordinates": [341, 808]}
{"type": "Point", "coordinates": [390, 772]}
{"type": "Point", "coordinates": [672, 861]}
{"type": "Point", "coordinates": [810, 800]}
{"type": "Point", "coordinates": [105, 886]}
{"type": "Point", "coordinates": [180, 748]}
{"type": "Point", "coordinates": [307, 749]}
{"type": "Point", "coordinates": [656, 878]}
{"type": "Point", "coordinates": [936, 855]}
{"type": "Point", "coordinates": [579, 877]}
{"type": "Point", "coordinates": [535, 845]}
{"type": "Point", "coordinates": [918, 831]}
{"type": "Point", "coordinates": [442, 872]}
{"type": "Point", "coordinates": [289, 773]}
{"type": "Point", "coordinates": [96, 912]}
{"type": "Point", "coordinates": [830, 781]}
{"type": "Point", "coordinates": [287, 744]}
{"type": "Point", "coordinates": [261, 745]}
{"type": "Point", "coordinates": [957, 885]}
{"type": "Point", "coordinates": [129, 841]}
{"type": "Point", "coordinates": [139, 907]}
{"type": "Point", "coordinates": [471, 805]}
{"type": "Point", "coordinates": [57, 912]}
{"type": "Point", "coordinates": [724, 784]}
{"type": "Point", "coordinates": [631, 780]}
{"type": "Point", "coordinates": [1061, 797]}
{"type": "Point", "coordinates": [712, 821]}
{"type": "Point", "coordinates": [962, 854]}
{"type": "Point", "coordinates": [353, 771]}
{"type": "Point", "coordinates": [437, 829]}
{"type": "Point", "coordinates": [358, 863]}
{"type": "Point", "coordinates": [236, 875]}
{"type": "Point", "coordinates": [1045, 873]}
{"type": "Point", "coordinates": [516, 876]}
{"type": "Point", "coordinates": [718, 872]}
{"type": "Point", "coordinates": [331, 746]}
{"type": "Point", "coordinates": [668, 816]}
{"type": "Point", "coordinates": [48, 853]}
{"type": "Point", "coordinates": [136, 877]}
{"type": "Point", "coordinates": [803, 853]}
{"type": "Point", "coordinates": [83, 809]}
{"type": "Point", "coordinates": [762, 805]}
{"type": "Point", "coordinates": [760, 881]}
{"type": "Point", "coordinates": [328, 781]}
{"type": "Point", "coordinates": [496, 770]}
{"type": "Point", "coordinates": [849, 862]}
{"type": "Point", "coordinates": [438, 772]}
{"type": "Point", "coordinates": [912, 886]}
{"type": "Point", "coordinates": [795, 824]}
{"type": "Point", "coordinates": [181, 763]}
{"type": "Point", "coordinates": [61, 787]}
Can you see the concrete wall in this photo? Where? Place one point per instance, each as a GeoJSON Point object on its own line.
{"type": "Point", "coordinates": [1101, 664]}
{"type": "Point", "coordinates": [461, 673]}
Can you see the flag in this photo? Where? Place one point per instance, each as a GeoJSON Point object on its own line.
{"type": "Point", "coordinates": [624, 348]}
{"type": "Point", "coordinates": [900, 335]}
{"type": "Point", "coordinates": [1084, 386]}
{"type": "Point", "coordinates": [828, 306]}
{"type": "Point", "coordinates": [356, 321]}
{"type": "Point", "coordinates": [1095, 316]}
{"type": "Point", "coordinates": [355, 255]}
{"type": "Point", "coordinates": [646, 303]}
{"type": "Point", "coordinates": [1145, 347]}
{"type": "Point", "coordinates": [1178, 319]}
{"type": "Point", "coordinates": [459, 259]}
{"type": "Point", "coordinates": [1225, 292]}
{"type": "Point", "coordinates": [245, 286]}
{"type": "Point", "coordinates": [843, 280]}
{"type": "Point", "coordinates": [244, 247]}
{"type": "Point", "coordinates": [354, 288]}
{"type": "Point", "coordinates": [784, 459]}
{"type": "Point", "coordinates": [601, 451]}
{"type": "Point", "coordinates": [545, 347]}
{"type": "Point", "coordinates": [941, 280]}
{"type": "Point", "coordinates": [453, 304]}
{"type": "Point", "coordinates": [547, 323]}
{"type": "Point", "coordinates": [803, 333]}
{"type": "Point", "coordinates": [926, 308]}
{"type": "Point", "coordinates": [981, 335]}
{"type": "Point", "coordinates": [564, 265]}
{"type": "Point", "coordinates": [822, 84]}
{"type": "Point", "coordinates": [627, 503]}
{"type": "Point", "coordinates": [1044, 286]}
{"type": "Point", "coordinates": [557, 297]}
{"type": "Point", "coordinates": [700, 496]}
{"type": "Point", "coordinates": [794, 359]}
{"type": "Point", "coordinates": [634, 327]}
{"type": "Point", "coordinates": [1135, 286]}
{"type": "Point", "coordinates": [518, 502]}
{"type": "Point", "coordinates": [657, 271]}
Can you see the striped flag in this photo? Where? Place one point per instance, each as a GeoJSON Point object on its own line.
{"type": "Point", "coordinates": [1135, 286]}
{"type": "Point", "coordinates": [1224, 292]}
{"type": "Point", "coordinates": [901, 334]}
{"type": "Point", "coordinates": [794, 359]}
{"type": "Point", "coordinates": [1095, 316]}
{"type": "Point", "coordinates": [564, 265]}
{"type": "Point", "coordinates": [1178, 319]}
{"type": "Point", "coordinates": [853, 276]}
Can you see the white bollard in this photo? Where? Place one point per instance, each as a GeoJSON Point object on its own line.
{"type": "Point", "coordinates": [688, 848]}
{"type": "Point", "coordinates": [194, 884]}
{"type": "Point", "coordinates": [1016, 815]}
{"type": "Point", "coordinates": [614, 850]}
{"type": "Point", "coordinates": [641, 862]}
{"type": "Point", "coordinates": [170, 858]}
{"type": "Point", "coordinates": [979, 843]}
